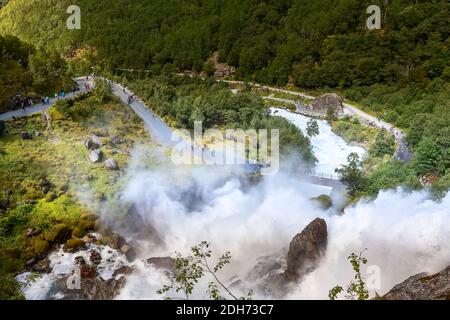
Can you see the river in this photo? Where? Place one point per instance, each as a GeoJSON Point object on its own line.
{"type": "Point", "coordinates": [260, 222]}
{"type": "Point", "coordinates": [330, 149]}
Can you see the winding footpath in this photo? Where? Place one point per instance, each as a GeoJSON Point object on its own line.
{"type": "Point", "coordinates": [165, 135]}
{"type": "Point", "coordinates": [159, 129]}
{"type": "Point", "coordinates": [42, 107]}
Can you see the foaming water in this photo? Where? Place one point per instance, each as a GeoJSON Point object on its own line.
{"type": "Point", "coordinates": [330, 150]}
{"type": "Point", "coordinates": [405, 233]}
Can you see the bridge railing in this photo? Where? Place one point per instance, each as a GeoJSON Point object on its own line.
{"type": "Point", "coordinates": [328, 176]}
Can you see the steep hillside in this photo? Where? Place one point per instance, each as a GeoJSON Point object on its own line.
{"type": "Point", "coordinates": [400, 73]}
{"type": "Point", "coordinates": [315, 43]}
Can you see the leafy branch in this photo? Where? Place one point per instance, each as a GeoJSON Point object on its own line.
{"type": "Point", "coordinates": [356, 289]}
{"type": "Point", "coordinates": [190, 269]}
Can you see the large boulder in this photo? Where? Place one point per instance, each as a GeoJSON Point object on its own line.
{"type": "Point", "coordinates": [94, 156]}
{"type": "Point", "coordinates": [96, 140]}
{"type": "Point", "coordinates": [129, 252]}
{"type": "Point", "coordinates": [422, 286]}
{"type": "Point", "coordinates": [111, 164]}
{"type": "Point", "coordinates": [91, 287]}
{"type": "Point", "coordinates": [162, 263]}
{"type": "Point", "coordinates": [93, 143]}
{"type": "Point", "coordinates": [328, 100]}
{"type": "Point", "coordinates": [269, 274]}
{"type": "Point", "coordinates": [306, 249]}
{"type": "Point", "coordinates": [26, 135]}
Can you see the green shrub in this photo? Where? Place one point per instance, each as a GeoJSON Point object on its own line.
{"type": "Point", "coordinates": [60, 233]}
{"type": "Point", "coordinates": [384, 144]}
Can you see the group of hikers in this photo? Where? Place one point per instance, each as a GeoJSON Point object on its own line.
{"type": "Point", "coordinates": [28, 102]}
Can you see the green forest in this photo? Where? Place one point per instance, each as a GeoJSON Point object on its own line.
{"type": "Point", "coordinates": [400, 73]}
{"type": "Point", "coordinates": [27, 73]}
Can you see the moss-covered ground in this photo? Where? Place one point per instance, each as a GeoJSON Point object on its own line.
{"type": "Point", "coordinates": [41, 178]}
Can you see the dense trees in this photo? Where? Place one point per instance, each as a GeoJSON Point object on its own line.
{"type": "Point", "coordinates": [351, 174]}
{"type": "Point", "coordinates": [384, 144]}
{"type": "Point", "coordinates": [26, 73]}
{"type": "Point", "coordinates": [400, 73]}
{"type": "Point", "coordinates": [312, 129]}
{"type": "Point", "coordinates": [316, 43]}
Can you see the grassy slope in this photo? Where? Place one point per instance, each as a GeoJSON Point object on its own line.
{"type": "Point", "coordinates": [56, 160]}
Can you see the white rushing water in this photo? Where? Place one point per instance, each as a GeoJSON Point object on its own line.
{"type": "Point", "coordinates": [36, 286]}
{"type": "Point", "coordinates": [405, 232]}
{"type": "Point", "coordinates": [330, 150]}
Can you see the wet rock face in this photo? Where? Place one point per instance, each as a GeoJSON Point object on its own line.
{"type": "Point", "coordinates": [91, 287]}
{"type": "Point", "coordinates": [306, 249]}
{"type": "Point", "coordinates": [269, 273]}
{"type": "Point", "coordinates": [422, 286]}
{"type": "Point", "coordinates": [162, 263]}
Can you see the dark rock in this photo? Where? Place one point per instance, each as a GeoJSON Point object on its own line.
{"type": "Point", "coordinates": [94, 156]}
{"type": "Point", "coordinates": [90, 288]}
{"type": "Point", "coordinates": [123, 270]}
{"type": "Point", "coordinates": [162, 263]}
{"type": "Point", "coordinates": [116, 140]}
{"type": "Point", "coordinates": [80, 260]}
{"type": "Point", "coordinates": [89, 238]}
{"type": "Point", "coordinates": [115, 241]}
{"type": "Point", "coordinates": [43, 266]}
{"type": "Point", "coordinates": [4, 204]}
{"type": "Point", "coordinates": [73, 245]}
{"type": "Point", "coordinates": [93, 143]}
{"type": "Point", "coordinates": [328, 100]}
{"type": "Point", "coordinates": [44, 185]}
{"type": "Point", "coordinates": [270, 276]}
{"type": "Point", "coordinates": [129, 252]}
{"type": "Point", "coordinates": [88, 271]}
{"type": "Point", "coordinates": [26, 136]}
{"type": "Point", "coordinates": [30, 262]}
{"type": "Point", "coordinates": [264, 266]}
{"type": "Point", "coordinates": [89, 144]}
{"type": "Point", "coordinates": [96, 140]}
{"type": "Point", "coordinates": [2, 127]}
{"type": "Point", "coordinates": [306, 249]}
{"type": "Point", "coordinates": [111, 164]}
{"type": "Point", "coordinates": [95, 257]}
{"type": "Point", "coordinates": [422, 286]}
